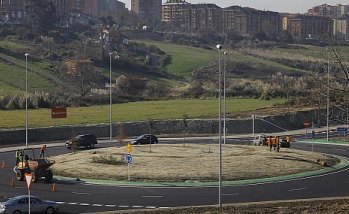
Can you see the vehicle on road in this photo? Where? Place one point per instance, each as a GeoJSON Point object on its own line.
{"type": "Point", "coordinates": [285, 144]}
{"type": "Point", "coordinates": [259, 140]}
{"type": "Point", "coordinates": [19, 205]}
{"type": "Point", "coordinates": [86, 140]}
{"type": "Point", "coordinates": [38, 167]}
{"type": "Point", "coordinates": [145, 139]}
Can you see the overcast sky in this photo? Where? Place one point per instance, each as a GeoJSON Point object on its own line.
{"type": "Point", "coordinates": [291, 6]}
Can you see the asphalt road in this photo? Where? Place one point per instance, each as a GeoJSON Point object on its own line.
{"type": "Point", "coordinates": [82, 197]}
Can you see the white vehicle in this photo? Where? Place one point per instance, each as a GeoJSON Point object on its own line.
{"type": "Point", "coordinates": [258, 140]}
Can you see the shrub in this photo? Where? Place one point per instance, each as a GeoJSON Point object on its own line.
{"type": "Point", "coordinates": [109, 159]}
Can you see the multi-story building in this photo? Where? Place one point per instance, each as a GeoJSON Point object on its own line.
{"type": "Point", "coordinates": [62, 10]}
{"type": "Point", "coordinates": [244, 20]}
{"type": "Point", "coordinates": [172, 10]}
{"type": "Point", "coordinates": [307, 26]}
{"type": "Point", "coordinates": [328, 10]}
{"type": "Point", "coordinates": [341, 27]}
{"type": "Point", "coordinates": [91, 8]}
{"type": "Point", "coordinates": [197, 16]}
{"type": "Point", "coordinates": [147, 9]}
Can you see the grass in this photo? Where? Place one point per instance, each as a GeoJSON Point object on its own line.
{"type": "Point", "coordinates": [185, 59]}
{"type": "Point", "coordinates": [136, 111]}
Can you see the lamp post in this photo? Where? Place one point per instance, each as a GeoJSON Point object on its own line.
{"type": "Point", "coordinates": [220, 125]}
{"type": "Point", "coordinates": [110, 96]}
{"type": "Point", "coordinates": [26, 99]}
{"type": "Point", "coordinates": [328, 90]}
{"type": "Point", "coordinates": [224, 96]}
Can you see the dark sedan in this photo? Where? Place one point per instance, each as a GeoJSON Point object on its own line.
{"type": "Point", "coordinates": [19, 204]}
{"type": "Point", "coordinates": [145, 139]}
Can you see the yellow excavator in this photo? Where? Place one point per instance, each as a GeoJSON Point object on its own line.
{"type": "Point", "coordinates": [38, 167]}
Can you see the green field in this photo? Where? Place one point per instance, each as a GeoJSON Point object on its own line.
{"type": "Point", "coordinates": [185, 59]}
{"type": "Point", "coordinates": [135, 111]}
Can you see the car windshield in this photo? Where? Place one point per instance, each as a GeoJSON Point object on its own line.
{"type": "Point", "coordinates": [140, 137]}
{"type": "Point", "coordinates": [11, 200]}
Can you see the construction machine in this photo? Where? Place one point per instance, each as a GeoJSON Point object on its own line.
{"type": "Point", "coordinates": [38, 167]}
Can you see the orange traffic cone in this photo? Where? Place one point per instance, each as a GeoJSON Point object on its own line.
{"type": "Point", "coordinates": [3, 164]}
{"type": "Point", "coordinates": [12, 182]}
{"type": "Point", "coordinates": [54, 187]}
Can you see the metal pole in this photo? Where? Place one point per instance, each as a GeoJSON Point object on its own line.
{"type": "Point", "coordinates": [26, 99]}
{"type": "Point", "coordinates": [224, 95]}
{"type": "Point", "coordinates": [220, 125]}
{"type": "Point", "coordinates": [328, 91]}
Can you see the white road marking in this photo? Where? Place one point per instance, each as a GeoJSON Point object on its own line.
{"type": "Point", "coordinates": [291, 190]}
{"type": "Point", "coordinates": [150, 207]}
{"type": "Point", "coordinates": [136, 206]}
{"type": "Point", "coordinates": [84, 204]}
{"type": "Point", "coordinates": [123, 206]}
{"type": "Point", "coordinates": [234, 194]}
{"type": "Point", "coordinates": [97, 205]}
{"type": "Point", "coordinates": [81, 193]}
{"type": "Point", "coordinates": [152, 196]}
{"type": "Point", "coordinates": [164, 207]}
{"type": "Point", "coordinates": [73, 203]}
{"type": "Point", "coordinates": [60, 202]}
{"type": "Point", "coordinates": [110, 205]}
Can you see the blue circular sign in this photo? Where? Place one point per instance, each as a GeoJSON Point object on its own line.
{"type": "Point", "coordinates": [128, 158]}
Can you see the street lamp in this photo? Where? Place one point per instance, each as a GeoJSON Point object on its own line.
{"type": "Point", "coordinates": [224, 96]}
{"type": "Point", "coordinates": [220, 124]}
{"type": "Point", "coordinates": [26, 99]}
{"type": "Point", "coordinates": [328, 89]}
{"type": "Point", "coordinates": [110, 95]}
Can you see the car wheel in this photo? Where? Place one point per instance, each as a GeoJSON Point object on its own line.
{"type": "Point", "coordinates": [92, 145]}
{"type": "Point", "coordinates": [17, 212]}
{"type": "Point", "coordinates": [20, 174]}
{"type": "Point", "coordinates": [50, 210]}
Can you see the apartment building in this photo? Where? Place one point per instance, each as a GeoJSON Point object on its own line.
{"type": "Point", "coordinates": [197, 16]}
{"type": "Point", "coordinates": [149, 9]}
{"type": "Point", "coordinates": [244, 20]}
{"type": "Point", "coordinates": [341, 27]}
{"type": "Point", "coordinates": [307, 26]}
{"type": "Point", "coordinates": [328, 10]}
{"type": "Point", "coordinates": [172, 10]}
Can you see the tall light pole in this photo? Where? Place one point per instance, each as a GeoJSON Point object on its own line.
{"type": "Point", "coordinates": [224, 96]}
{"type": "Point", "coordinates": [26, 99]}
{"type": "Point", "coordinates": [220, 124]}
{"type": "Point", "coordinates": [328, 89]}
{"type": "Point", "coordinates": [110, 96]}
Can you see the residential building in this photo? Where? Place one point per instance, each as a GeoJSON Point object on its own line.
{"type": "Point", "coordinates": [307, 26]}
{"type": "Point", "coordinates": [197, 16]}
{"type": "Point", "coordinates": [341, 27]}
{"type": "Point", "coordinates": [91, 8]}
{"type": "Point", "coordinates": [244, 20]}
{"type": "Point", "coordinates": [13, 10]}
{"type": "Point", "coordinates": [328, 10]}
{"type": "Point", "coordinates": [172, 10]}
{"type": "Point", "coordinates": [147, 9]}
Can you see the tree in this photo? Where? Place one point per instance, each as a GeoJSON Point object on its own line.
{"type": "Point", "coordinates": [42, 16]}
{"type": "Point", "coordinates": [286, 37]}
{"type": "Point", "coordinates": [121, 135]}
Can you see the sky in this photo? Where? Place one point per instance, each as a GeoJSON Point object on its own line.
{"type": "Point", "coordinates": [290, 6]}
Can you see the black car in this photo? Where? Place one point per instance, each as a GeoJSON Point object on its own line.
{"type": "Point", "coordinates": [284, 144]}
{"type": "Point", "coordinates": [86, 140]}
{"type": "Point", "coordinates": [145, 139]}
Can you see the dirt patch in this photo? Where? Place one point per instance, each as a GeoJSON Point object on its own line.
{"type": "Point", "coordinates": [190, 162]}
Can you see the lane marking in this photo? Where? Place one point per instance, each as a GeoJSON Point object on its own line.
{"type": "Point", "coordinates": [137, 206]}
{"type": "Point", "coordinates": [233, 194]}
{"type": "Point", "coordinates": [123, 206]}
{"type": "Point", "coordinates": [291, 190]}
{"type": "Point", "coordinates": [97, 205]}
{"type": "Point", "coordinates": [110, 205]}
{"type": "Point", "coordinates": [60, 202]}
{"type": "Point", "coordinates": [73, 203]}
{"type": "Point", "coordinates": [152, 196]}
{"type": "Point", "coordinates": [84, 204]}
{"type": "Point", "coordinates": [150, 207]}
{"type": "Point", "coordinates": [81, 193]}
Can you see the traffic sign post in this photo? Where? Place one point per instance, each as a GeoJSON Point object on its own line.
{"type": "Point", "coordinates": [312, 139]}
{"type": "Point", "coordinates": [128, 160]}
{"type": "Point", "coordinates": [28, 179]}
